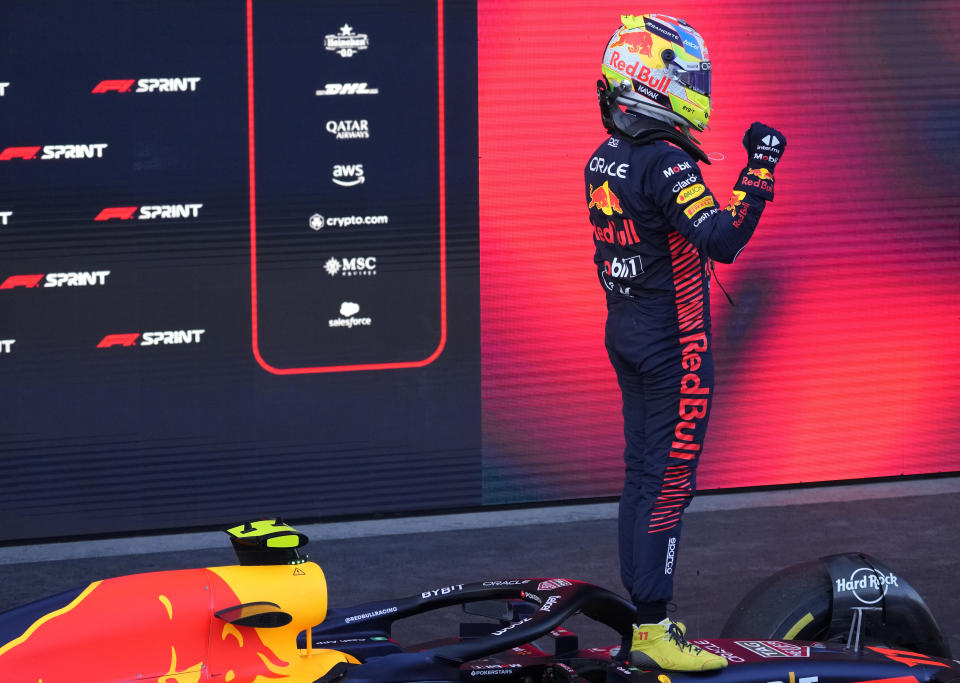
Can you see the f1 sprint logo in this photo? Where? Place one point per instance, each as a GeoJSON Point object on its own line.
{"type": "Point", "coordinates": [73, 279]}
{"type": "Point", "coordinates": [125, 213]}
{"type": "Point", "coordinates": [151, 338]}
{"type": "Point", "coordinates": [91, 151]}
{"type": "Point", "coordinates": [186, 84]}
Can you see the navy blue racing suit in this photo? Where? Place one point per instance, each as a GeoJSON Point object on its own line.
{"type": "Point", "coordinates": [655, 225]}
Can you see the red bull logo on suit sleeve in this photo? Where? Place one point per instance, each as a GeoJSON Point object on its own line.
{"type": "Point", "coordinates": [604, 199]}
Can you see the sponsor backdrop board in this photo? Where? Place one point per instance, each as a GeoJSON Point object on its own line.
{"type": "Point", "coordinates": [233, 280]}
{"type": "Point", "coordinates": [332, 258]}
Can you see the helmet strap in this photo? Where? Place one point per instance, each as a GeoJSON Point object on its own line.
{"type": "Point", "coordinates": [640, 129]}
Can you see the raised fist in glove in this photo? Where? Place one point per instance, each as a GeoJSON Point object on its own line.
{"type": "Point", "coordinates": [764, 147]}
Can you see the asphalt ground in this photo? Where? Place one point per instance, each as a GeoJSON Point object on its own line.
{"type": "Point", "coordinates": [730, 543]}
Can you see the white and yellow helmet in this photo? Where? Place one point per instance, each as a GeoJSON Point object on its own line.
{"type": "Point", "coordinates": [659, 66]}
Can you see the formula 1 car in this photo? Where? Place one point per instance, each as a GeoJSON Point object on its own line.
{"type": "Point", "coordinates": [266, 620]}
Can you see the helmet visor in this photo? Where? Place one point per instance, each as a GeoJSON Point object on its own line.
{"type": "Point", "coordinates": [698, 80]}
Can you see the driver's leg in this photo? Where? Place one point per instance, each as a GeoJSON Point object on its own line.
{"type": "Point", "coordinates": [659, 486]}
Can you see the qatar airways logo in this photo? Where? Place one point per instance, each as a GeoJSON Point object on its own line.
{"type": "Point", "coordinates": [150, 212]}
{"type": "Point", "coordinates": [48, 152]}
{"type": "Point", "coordinates": [159, 338]}
{"type": "Point", "coordinates": [349, 129]}
{"type": "Point", "coordinates": [123, 85]}
{"type": "Point", "coordinates": [91, 278]}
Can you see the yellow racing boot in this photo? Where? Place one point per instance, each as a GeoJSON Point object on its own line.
{"type": "Point", "coordinates": [663, 646]}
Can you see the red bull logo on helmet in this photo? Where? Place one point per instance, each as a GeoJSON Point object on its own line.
{"type": "Point", "coordinates": [604, 199]}
{"type": "Point", "coordinates": [639, 42]}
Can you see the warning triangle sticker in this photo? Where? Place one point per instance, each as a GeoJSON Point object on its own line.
{"type": "Point", "coordinates": [299, 572]}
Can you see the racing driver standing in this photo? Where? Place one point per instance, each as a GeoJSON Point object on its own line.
{"type": "Point", "coordinates": [656, 227]}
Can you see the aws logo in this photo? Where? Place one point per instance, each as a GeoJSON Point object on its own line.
{"type": "Point", "coordinates": [348, 175]}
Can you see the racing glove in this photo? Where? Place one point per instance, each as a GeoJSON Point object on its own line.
{"type": "Point", "coordinates": [765, 146]}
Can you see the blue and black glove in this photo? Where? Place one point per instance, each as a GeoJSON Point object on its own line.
{"type": "Point", "coordinates": [765, 146]}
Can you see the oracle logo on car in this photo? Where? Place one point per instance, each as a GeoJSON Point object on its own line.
{"type": "Point", "coordinates": [147, 85]}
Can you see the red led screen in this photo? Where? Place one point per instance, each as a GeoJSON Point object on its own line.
{"type": "Point", "coordinates": [839, 359]}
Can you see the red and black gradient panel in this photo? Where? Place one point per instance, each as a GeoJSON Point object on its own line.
{"type": "Point", "coordinates": [839, 358]}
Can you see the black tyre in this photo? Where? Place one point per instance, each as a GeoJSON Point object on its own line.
{"type": "Point", "coordinates": [797, 603]}
{"type": "Point", "coordinates": [793, 604]}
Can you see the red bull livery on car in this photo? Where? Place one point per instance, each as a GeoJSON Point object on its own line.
{"type": "Point", "coordinates": [236, 624]}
